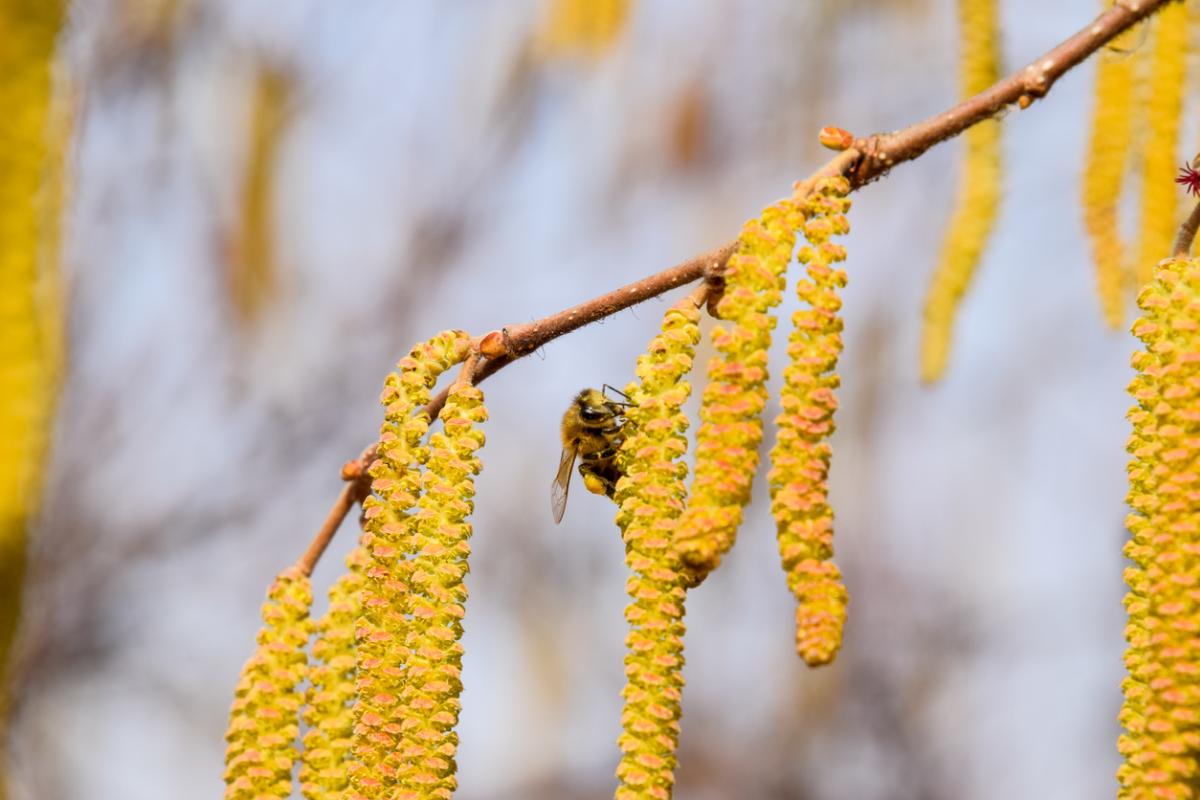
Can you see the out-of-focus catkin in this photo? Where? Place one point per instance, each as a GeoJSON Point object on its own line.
{"type": "Point", "coordinates": [586, 27]}
{"type": "Point", "coordinates": [651, 496]}
{"type": "Point", "coordinates": [735, 395]}
{"type": "Point", "coordinates": [438, 596]}
{"type": "Point", "coordinates": [1161, 712]}
{"type": "Point", "coordinates": [251, 263]}
{"type": "Point", "coordinates": [264, 722]}
{"type": "Point", "coordinates": [389, 540]}
{"type": "Point", "coordinates": [978, 197]}
{"type": "Point", "coordinates": [1105, 164]}
{"type": "Point", "coordinates": [1160, 211]}
{"type": "Point", "coordinates": [329, 710]}
{"type": "Point", "coordinates": [32, 141]}
{"type": "Point", "coordinates": [801, 455]}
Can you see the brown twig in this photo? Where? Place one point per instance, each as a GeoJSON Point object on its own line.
{"type": "Point", "coordinates": [349, 495]}
{"type": "Point", "coordinates": [868, 160]}
{"type": "Point", "coordinates": [1187, 234]}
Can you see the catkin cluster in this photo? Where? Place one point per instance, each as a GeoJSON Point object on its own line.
{"type": "Point", "coordinates": [264, 720]}
{"type": "Point", "coordinates": [651, 496]}
{"type": "Point", "coordinates": [735, 394]}
{"type": "Point", "coordinates": [390, 538]}
{"type": "Point", "coordinates": [801, 455]}
{"type": "Point", "coordinates": [979, 189]}
{"type": "Point", "coordinates": [1161, 713]}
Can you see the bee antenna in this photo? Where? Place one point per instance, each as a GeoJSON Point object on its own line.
{"type": "Point", "coordinates": [615, 390]}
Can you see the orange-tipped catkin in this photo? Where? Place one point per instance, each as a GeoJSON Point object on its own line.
{"type": "Point", "coordinates": [389, 539]}
{"type": "Point", "coordinates": [1161, 712]}
{"type": "Point", "coordinates": [800, 457]}
{"type": "Point", "coordinates": [1159, 218]}
{"type": "Point", "coordinates": [329, 710]}
{"type": "Point", "coordinates": [651, 495]}
{"type": "Point", "coordinates": [438, 596]}
{"type": "Point", "coordinates": [264, 722]}
{"type": "Point", "coordinates": [1104, 168]}
{"type": "Point", "coordinates": [978, 194]}
{"type": "Point", "coordinates": [735, 395]}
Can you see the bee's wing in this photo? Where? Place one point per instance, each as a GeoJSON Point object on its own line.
{"type": "Point", "coordinates": [562, 482]}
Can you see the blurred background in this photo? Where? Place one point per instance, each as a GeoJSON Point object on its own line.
{"type": "Point", "coordinates": [273, 201]}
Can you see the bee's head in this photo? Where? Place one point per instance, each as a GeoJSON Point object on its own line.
{"type": "Point", "coordinates": [591, 397]}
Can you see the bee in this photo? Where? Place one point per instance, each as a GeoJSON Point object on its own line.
{"type": "Point", "coordinates": [591, 432]}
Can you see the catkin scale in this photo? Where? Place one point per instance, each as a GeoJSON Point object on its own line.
{"type": "Point", "coordinates": [978, 197]}
{"type": "Point", "coordinates": [1161, 710]}
{"type": "Point", "coordinates": [801, 455]}
{"type": "Point", "coordinates": [651, 495]}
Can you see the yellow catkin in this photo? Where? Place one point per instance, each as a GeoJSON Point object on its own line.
{"type": "Point", "coordinates": [978, 197]}
{"type": "Point", "coordinates": [1161, 712]}
{"type": "Point", "coordinates": [264, 722]}
{"type": "Point", "coordinates": [735, 395]}
{"type": "Point", "coordinates": [251, 263]}
{"type": "Point", "coordinates": [433, 680]}
{"type": "Point", "coordinates": [32, 146]}
{"type": "Point", "coordinates": [1159, 216]}
{"type": "Point", "coordinates": [800, 457]}
{"type": "Point", "coordinates": [329, 706]}
{"type": "Point", "coordinates": [651, 497]}
{"type": "Point", "coordinates": [587, 27]}
{"type": "Point", "coordinates": [389, 540]}
{"type": "Point", "coordinates": [1105, 163]}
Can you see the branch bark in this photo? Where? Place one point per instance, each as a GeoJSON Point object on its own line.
{"type": "Point", "coordinates": [1187, 234]}
{"type": "Point", "coordinates": [869, 159]}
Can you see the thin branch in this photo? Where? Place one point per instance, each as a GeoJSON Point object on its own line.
{"type": "Point", "coordinates": [868, 160]}
{"type": "Point", "coordinates": [349, 495]}
{"type": "Point", "coordinates": [1187, 234]}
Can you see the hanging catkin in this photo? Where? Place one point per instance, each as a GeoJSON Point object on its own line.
{"type": "Point", "coordinates": [1160, 211]}
{"type": "Point", "coordinates": [1105, 165]}
{"type": "Point", "coordinates": [978, 196]}
{"type": "Point", "coordinates": [1161, 712]}
{"type": "Point", "coordinates": [801, 455]}
{"type": "Point", "coordinates": [651, 495]}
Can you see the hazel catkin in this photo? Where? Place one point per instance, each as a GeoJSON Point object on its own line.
{"type": "Point", "coordinates": [651, 496]}
{"type": "Point", "coordinates": [801, 455]}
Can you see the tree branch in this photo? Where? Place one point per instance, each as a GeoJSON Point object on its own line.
{"type": "Point", "coordinates": [1187, 234]}
{"type": "Point", "coordinates": [867, 160]}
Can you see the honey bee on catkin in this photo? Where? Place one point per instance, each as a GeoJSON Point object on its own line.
{"type": "Point", "coordinates": [591, 433]}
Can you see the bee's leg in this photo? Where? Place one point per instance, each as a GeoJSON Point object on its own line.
{"type": "Point", "coordinates": [599, 484]}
